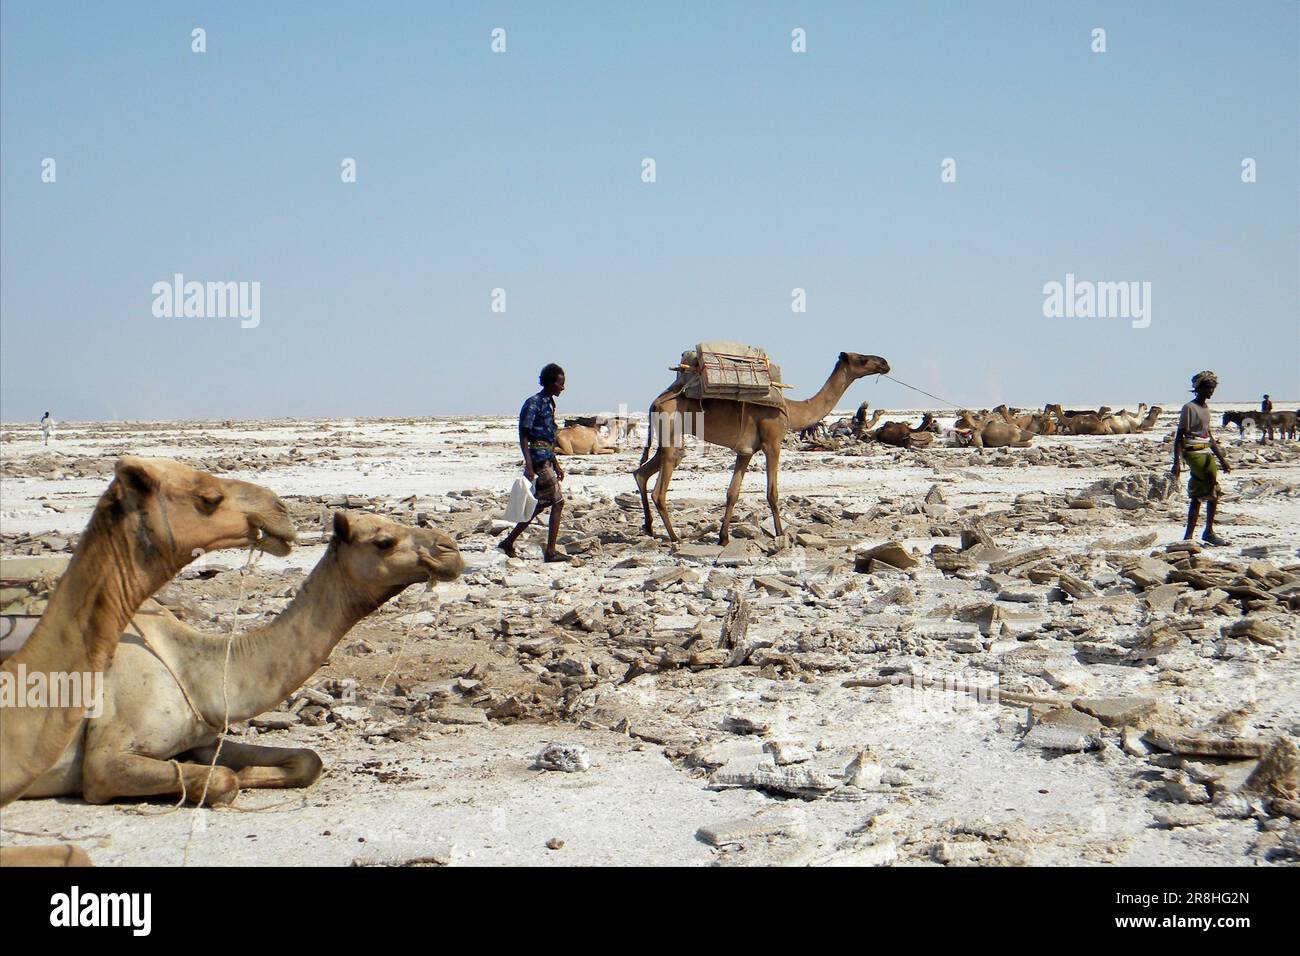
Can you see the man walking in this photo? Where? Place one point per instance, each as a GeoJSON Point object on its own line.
{"type": "Point", "coordinates": [1266, 419]}
{"type": "Point", "coordinates": [1194, 444]}
{"type": "Point", "coordinates": [537, 442]}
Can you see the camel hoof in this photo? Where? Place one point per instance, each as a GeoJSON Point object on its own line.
{"type": "Point", "coordinates": [223, 788]}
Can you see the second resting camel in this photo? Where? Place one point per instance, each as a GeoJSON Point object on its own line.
{"type": "Point", "coordinates": [581, 440]}
{"type": "Point", "coordinates": [743, 427]}
{"type": "Point", "coordinates": [153, 519]}
{"type": "Point", "coordinates": [170, 693]}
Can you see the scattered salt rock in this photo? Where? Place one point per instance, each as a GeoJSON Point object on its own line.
{"type": "Point", "coordinates": [743, 724]}
{"type": "Point", "coordinates": [350, 713]}
{"type": "Point", "coordinates": [960, 851]}
{"type": "Point", "coordinates": [891, 553]}
{"type": "Point", "coordinates": [1290, 808]}
{"type": "Point", "coordinates": [1278, 773]}
{"type": "Point", "coordinates": [1205, 745]}
{"type": "Point", "coordinates": [1116, 711]}
{"type": "Point", "coordinates": [568, 758]}
{"type": "Point", "coordinates": [1147, 572]}
{"type": "Point", "coordinates": [1065, 729]}
{"type": "Point", "coordinates": [1183, 790]}
{"type": "Point", "coordinates": [864, 771]}
{"type": "Point", "coordinates": [785, 752]}
{"type": "Point", "coordinates": [882, 853]}
{"type": "Point", "coordinates": [275, 720]}
{"type": "Point", "coordinates": [798, 780]}
{"type": "Point", "coordinates": [742, 829]}
{"type": "Point", "coordinates": [1182, 815]}
{"type": "Point", "coordinates": [1260, 631]}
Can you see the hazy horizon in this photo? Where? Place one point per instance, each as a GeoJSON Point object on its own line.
{"type": "Point", "coordinates": [522, 170]}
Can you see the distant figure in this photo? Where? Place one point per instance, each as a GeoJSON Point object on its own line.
{"type": "Point", "coordinates": [47, 427]}
{"type": "Point", "coordinates": [1194, 444]}
{"type": "Point", "coordinates": [537, 433]}
{"type": "Point", "coordinates": [1266, 406]}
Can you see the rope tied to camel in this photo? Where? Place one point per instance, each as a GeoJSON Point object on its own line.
{"type": "Point", "coordinates": [923, 391]}
{"type": "Point", "coordinates": [249, 564]}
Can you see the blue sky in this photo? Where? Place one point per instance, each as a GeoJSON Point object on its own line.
{"type": "Point", "coordinates": [521, 171]}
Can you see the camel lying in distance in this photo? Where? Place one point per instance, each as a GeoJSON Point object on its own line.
{"type": "Point", "coordinates": [903, 435]}
{"type": "Point", "coordinates": [994, 431]}
{"type": "Point", "coordinates": [163, 699]}
{"type": "Point", "coordinates": [1078, 423]}
{"type": "Point", "coordinates": [155, 517]}
{"type": "Point", "coordinates": [581, 440]}
{"type": "Point", "coordinates": [1036, 423]}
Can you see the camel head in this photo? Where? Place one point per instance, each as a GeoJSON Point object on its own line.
{"type": "Point", "coordinates": [860, 366]}
{"type": "Point", "coordinates": [182, 512]}
{"type": "Point", "coordinates": [379, 555]}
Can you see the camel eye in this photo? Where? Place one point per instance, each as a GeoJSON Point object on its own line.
{"type": "Point", "coordinates": [210, 500]}
{"type": "Point", "coordinates": [384, 544]}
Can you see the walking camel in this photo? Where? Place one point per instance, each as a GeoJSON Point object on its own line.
{"type": "Point", "coordinates": [170, 691]}
{"type": "Point", "coordinates": [743, 427]}
{"type": "Point", "coordinates": [155, 517]}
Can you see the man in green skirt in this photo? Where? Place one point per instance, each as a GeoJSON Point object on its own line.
{"type": "Point", "coordinates": [1194, 444]}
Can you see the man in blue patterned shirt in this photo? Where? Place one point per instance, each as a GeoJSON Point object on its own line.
{"type": "Point", "coordinates": [537, 442]}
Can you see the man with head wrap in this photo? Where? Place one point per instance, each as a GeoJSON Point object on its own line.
{"type": "Point", "coordinates": [1194, 444]}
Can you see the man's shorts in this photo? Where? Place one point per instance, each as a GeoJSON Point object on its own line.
{"type": "Point", "coordinates": [547, 488]}
{"type": "Point", "coordinates": [1203, 469]}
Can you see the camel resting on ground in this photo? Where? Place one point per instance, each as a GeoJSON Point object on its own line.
{"type": "Point", "coordinates": [994, 431]}
{"type": "Point", "coordinates": [163, 699]}
{"type": "Point", "coordinates": [1036, 423]}
{"type": "Point", "coordinates": [581, 440]}
{"type": "Point", "coordinates": [155, 517]}
{"type": "Point", "coordinates": [903, 435]}
{"type": "Point", "coordinates": [1081, 423]}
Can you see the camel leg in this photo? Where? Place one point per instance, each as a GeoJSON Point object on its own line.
{"type": "Point", "coordinates": [773, 458]}
{"type": "Point", "coordinates": [642, 476]}
{"type": "Point", "coordinates": [68, 855]}
{"type": "Point", "coordinates": [259, 767]}
{"type": "Point", "coordinates": [671, 456]}
{"type": "Point", "coordinates": [733, 494]}
{"type": "Point", "coordinates": [131, 775]}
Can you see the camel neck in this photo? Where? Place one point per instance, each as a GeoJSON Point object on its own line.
{"type": "Point", "coordinates": [806, 413]}
{"type": "Point", "coordinates": [103, 586]}
{"type": "Point", "coordinates": [269, 663]}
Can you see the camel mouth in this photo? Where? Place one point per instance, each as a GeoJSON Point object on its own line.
{"type": "Point", "coordinates": [272, 536]}
{"type": "Point", "coordinates": [439, 570]}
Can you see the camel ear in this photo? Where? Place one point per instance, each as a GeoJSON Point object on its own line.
{"type": "Point", "coordinates": [342, 530]}
{"type": "Point", "coordinates": [844, 356]}
{"type": "Point", "coordinates": [138, 474]}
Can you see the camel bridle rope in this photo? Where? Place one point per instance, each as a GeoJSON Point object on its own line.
{"type": "Point", "coordinates": [922, 391]}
